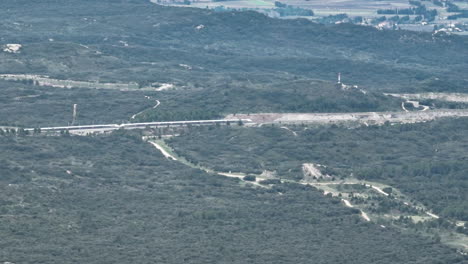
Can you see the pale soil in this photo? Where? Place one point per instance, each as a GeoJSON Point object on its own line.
{"type": "Point", "coordinates": [12, 48]}
{"type": "Point", "coordinates": [459, 242]}
{"type": "Point", "coordinates": [377, 189]}
{"type": "Point", "coordinates": [360, 117]}
{"type": "Point", "coordinates": [294, 133]}
{"type": "Point", "coordinates": [310, 169]}
{"type": "Point", "coordinates": [26, 96]}
{"type": "Point", "coordinates": [239, 176]}
{"type": "Point", "coordinates": [449, 97]}
{"type": "Point", "coordinates": [432, 215]}
{"type": "Point", "coordinates": [164, 86]}
{"type": "Point", "coordinates": [365, 216]}
{"type": "Point", "coordinates": [329, 187]}
{"type": "Point", "coordinates": [415, 104]}
{"type": "Point", "coordinates": [154, 107]}
{"type": "Point", "coordinates": [163, 151]}
{"type": "Point", "coordinates": [347, 203]}
{"type": "Point", "coordinates": [56, 83]}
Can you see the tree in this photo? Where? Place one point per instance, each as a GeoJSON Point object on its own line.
{"type": "Point", "coordinates": [250, 178]}
{"type": "Point", "coordinates": [388, 190]}
{"type": "Point", "coordinates": [21, 132]}
{"type": "Point", "coordinates": [279, 4]}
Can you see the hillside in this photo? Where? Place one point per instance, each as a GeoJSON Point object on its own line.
{"type": "Point", "coordinates": [426, 161]}
{"type": "Point", "coordinates": [233, 42]}
{"type": "Point", "coordinates": [209, 56]}
{"type": "Point", "coordinates": [117, 199]}
{"type": "Point", "coordinates": [265, 189]}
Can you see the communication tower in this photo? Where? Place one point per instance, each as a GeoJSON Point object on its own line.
{"type": "Point", "coordinates": [74, 114]}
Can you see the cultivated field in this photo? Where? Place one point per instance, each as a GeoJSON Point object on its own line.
{"type": "Point", "coordinates": [322, 9]}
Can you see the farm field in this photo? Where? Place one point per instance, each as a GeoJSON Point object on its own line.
{"type": "Point", "coordinates": [324, 10]}
{"type": "Point", "coordinates": [335, 6]}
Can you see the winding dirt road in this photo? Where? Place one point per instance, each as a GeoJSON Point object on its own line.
{"type": "Point", "coordinates": [141, 112]}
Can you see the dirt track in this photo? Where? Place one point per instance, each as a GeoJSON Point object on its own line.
{"type": "Point", "coordinates": [449, 97]}
{"type": "Point", "coordinates": [362, 117]}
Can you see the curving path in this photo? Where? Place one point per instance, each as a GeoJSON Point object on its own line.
{"type": "Point", "coordinates": [141, 112]}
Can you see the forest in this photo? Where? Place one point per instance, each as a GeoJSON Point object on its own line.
{"type": "Point", "coordinates": [293, 96]}
{"type": "Point", "coordinates": [236, 62]}
{"type": "Point", "coordinates": [426, 161]}
{"type": "Point", "coordinates": [25, 105]}
{"type": "Point", "coordinates": [115, 198]}
{"type": "Point", "coordinates": [89, 44]}
{"type": "Point", "coordinates": [108, 199]}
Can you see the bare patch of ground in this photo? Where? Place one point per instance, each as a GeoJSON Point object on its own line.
{"type": "Point", "coordinates": [415, 104]}
{"type": "Point", "coordinates": [365, 216]}
{"type": "Point", "coordinates": [12, 48]}
{"type": "Point", "coordinates": [314, 177]}
{"type": "Point", "coordinates": [163, 151]}
{"type": "Point", "coordinates": [41, 80]}
{"type": "Point", "coordinates": [312, 171]}
{"type": "Point", "coordinates": [423, 214]}
{"type": "Point", "coordinates": [26, 96]}
{"type": "Point", "coordinates": [168, 153]}
{"type": "Point", "coordinates": [347, 203]}
{"type": "Point", "coordinates": [141, 112]}
{"type": "Point", "coordinates": [287, 128]}
{"type": "Point", "coordinates": [367, 118]}
{"type": "Point", "coordinates": [449, 97]}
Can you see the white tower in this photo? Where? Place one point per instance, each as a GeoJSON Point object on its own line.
{"type": "Point", "coordinates": [339, 77]}
{"type": "Point", "coordinates": [74, 113]}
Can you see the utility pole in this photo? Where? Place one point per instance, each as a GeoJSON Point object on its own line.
{"type": "Point", "coordinates": [74, 114]}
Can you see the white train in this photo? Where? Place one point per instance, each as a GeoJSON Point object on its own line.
{"type": "Point", "coordinates": [144, 125]}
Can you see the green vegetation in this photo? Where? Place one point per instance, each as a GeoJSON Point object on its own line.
{"type": "Point", "coordinates": [280, 10]}
{"type": "Point", "coordinates": [288, 10]}
{"type": "Point", "coordinates": [158, 41]}
{"type": "Point", "coordinates": [33, 106]}
{"type": "Point", "coordinates": [420, 9]}
{"type": "Point", "coordinates": [293, 96]}
{"type": "Point", "coordinates": [117, 199]}
{"type": "Point", "coordinates": [444, 104]}
{"type": "Point", "coordinates": [425, 161]}
{"type": "Point", "coordinates": [220, 63]}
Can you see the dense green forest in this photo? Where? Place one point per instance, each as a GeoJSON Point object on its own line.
{"type": "Point", "coordinates": [138, 41]}
{"type": "Point", "coordinates": [293, 96]}
{"type": "Point", "coordinates": [238, 62]}
{"type": "Point", "coordinates": [222, 62]}
{"type": "Point", "coordinates": [117, 199]}
{"type": "Point", "coordinates": [32, 106]}
{"type": "Point", "coordinates": [426, 161]}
